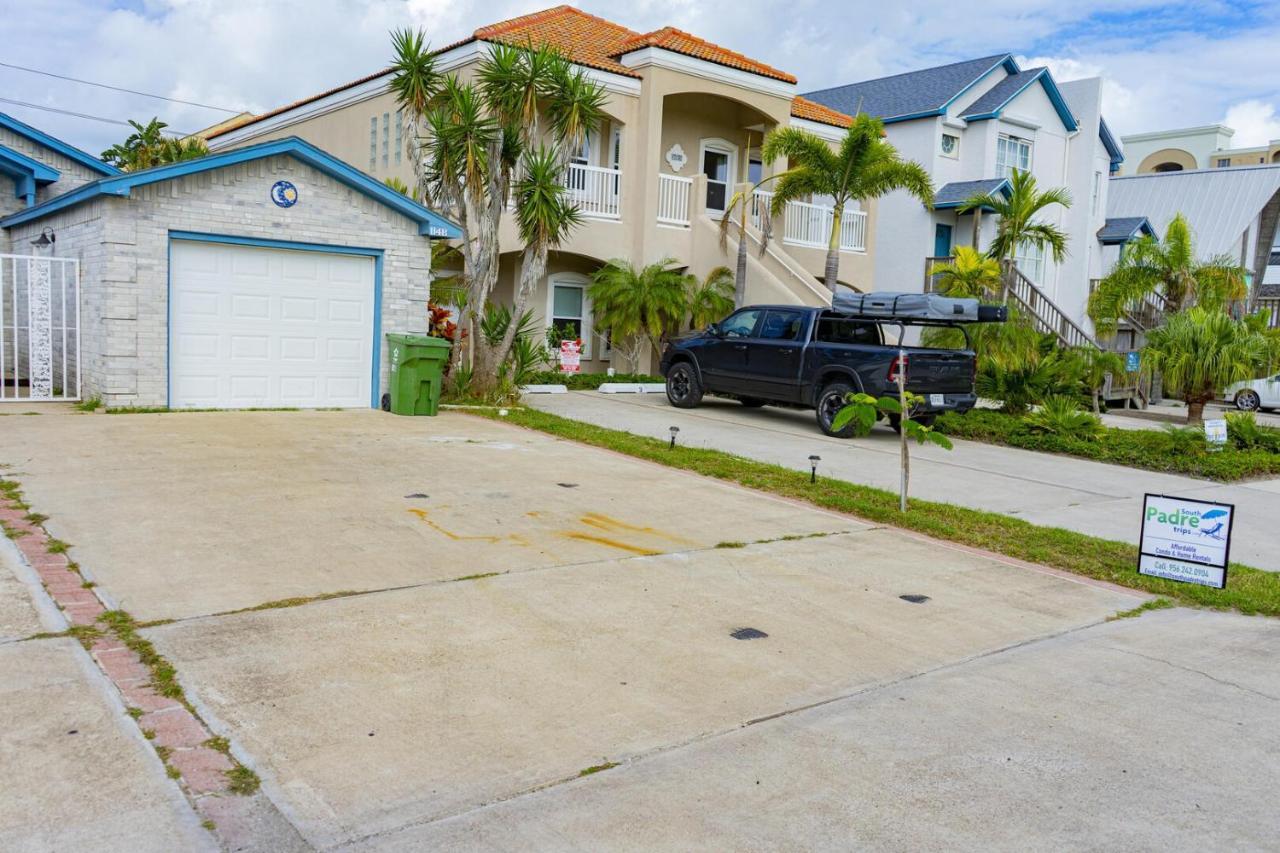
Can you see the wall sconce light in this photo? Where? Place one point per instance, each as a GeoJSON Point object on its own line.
{"type": "Point", "coordinates": [46, 239]}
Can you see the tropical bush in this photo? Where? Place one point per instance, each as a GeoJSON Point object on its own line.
{"type": "Point", "coordinates": [148, 146]}
{"type": "Point", "coordinates": [972, 275]}
{"type": "Point", "coordinates": [1177, 449]}
{"type": "Point", "coordinates": [1059, 415]}
{"type": "Point", "coordinates": [1200, 351]}
{"type": "Point", "coordinates": [639, 305]}
{"type": "Point", "coordinates": [1244, 432]}
{"type": "Point", "coordinates": [588, 381]}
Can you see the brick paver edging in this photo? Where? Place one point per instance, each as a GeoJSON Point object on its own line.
{"type": "Point", "coordinates": [201, 763]}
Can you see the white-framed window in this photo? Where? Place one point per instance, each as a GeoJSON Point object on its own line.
{"type": "Point", "coordinates": [386, 140]}
{"type": "Point", "coordinates": [1224, 162]}
{"type": "Point", "coordinates": [949, 145]}
{"type": "Point", "coordinates": [1012, 152]}
{"type": "Point", "coordinates": [1030, 261]}
{"type": "Point", "coordinates": [718, 160]}
{"type": "Point", "coordinates": [399, 134]}
{"type": "Point", "coordinates": [373, 143]}
{"type": "Point", "coordinates": [1097, 193]}
{"type": "Point", "coordinates": [568, 307]}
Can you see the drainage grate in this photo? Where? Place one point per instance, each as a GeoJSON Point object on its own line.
{"type": "Point", "coordinates": [914, 598]}
{"type": "Point", "coordinates": [748, 634]}
{"type": "Point", "coordinates": [417, 496]}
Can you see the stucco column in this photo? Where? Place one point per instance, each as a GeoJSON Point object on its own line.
{"type": "Point", "coordinates": [647, 164]}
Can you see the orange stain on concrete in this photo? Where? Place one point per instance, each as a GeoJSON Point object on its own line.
{"type": "Point", "coordinates": [613, 525]}
{"type": "Point", "coordinates": [611, 543]}
{"type": "Point", "coordinates": [456, 537]}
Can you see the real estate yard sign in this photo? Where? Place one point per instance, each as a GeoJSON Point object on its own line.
{"type": "Point", "coordinates": [1185, 540]}
{"type": "Point", "coordinates": [570, 356]}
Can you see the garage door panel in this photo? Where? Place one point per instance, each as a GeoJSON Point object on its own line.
{"type": "Point", "coordinates": [270, 327]}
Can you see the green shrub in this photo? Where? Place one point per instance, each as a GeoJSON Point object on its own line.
{"type": "Point", "coordinates": [1245, 433]}
{"type": "Point", "coordinates": [1061, 415]}
{"type": "Point", "coordinates": [1179, 450]}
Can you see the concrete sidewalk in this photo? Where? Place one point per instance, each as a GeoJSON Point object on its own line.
{"type": "Point", "coordinates": [1059, 491]}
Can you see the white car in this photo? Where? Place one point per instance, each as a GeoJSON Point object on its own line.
{"type": "Point", "coordinates": [1255, 394]}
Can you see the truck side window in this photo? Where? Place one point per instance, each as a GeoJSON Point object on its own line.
{"type": "Point", "coordinates": [841, 330]}
{"type": "Point", "coordinates": [782, 326]}
{"type": "Point", "coordinates": [740, 325]}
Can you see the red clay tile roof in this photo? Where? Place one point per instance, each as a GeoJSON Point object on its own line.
{"type": "Point", "coordinates": [678, 41]}
{"type": "Point", "coordinates": [586, 39]}
{"type": "Point", "coordinates": [813, 111]}
{"type": "Point", "coordinates": [596, 43]}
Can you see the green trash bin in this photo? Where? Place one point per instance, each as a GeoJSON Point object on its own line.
{"type": "Point", "coordinates": [417, 370]}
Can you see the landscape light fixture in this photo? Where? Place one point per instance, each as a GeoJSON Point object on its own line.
{"type": "Point", "coordinates": [674, 431]}
{"type": "Point", "coordinates": [814, 459]}
{"type": "Point", "coordinates": [46, 239]}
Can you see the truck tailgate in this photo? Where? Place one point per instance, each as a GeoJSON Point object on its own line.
{"type": "Point", "coordinates": [939, 371]}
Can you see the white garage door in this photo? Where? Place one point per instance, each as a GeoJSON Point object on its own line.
{"type": "Point", "coordinates": [269, 327]}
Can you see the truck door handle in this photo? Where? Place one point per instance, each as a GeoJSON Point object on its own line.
{"type": "Point", "coordinates": [787, 351]}
{"type": "Point", "coordinates": [740, 347]}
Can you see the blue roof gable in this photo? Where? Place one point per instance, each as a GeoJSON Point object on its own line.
{"type": "Point", "coordinates": [26, 173]}
{"type": "Point", "coordinates": [429, 222]}
{"type": "Point", "coordinates": [991, 104]}
{"type": "Point", "coordinates": [915, 94]}
{"type": "Point", "coordinates": [1123, 229]}
{"type": "Point", "coordinates": [68, 151]}
{"type": "Point", "coordinates": [957, 193]}
{"type": "Point", "coordinates": [1109, 142]}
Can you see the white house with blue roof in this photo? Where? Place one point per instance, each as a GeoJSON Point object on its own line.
{"type": "Point", "coordinates": [971, 124]}
{"type": "Point", "coordinates": [264, 276]}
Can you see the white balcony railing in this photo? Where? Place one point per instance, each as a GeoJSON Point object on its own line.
{"type": "Point", "coordinates": [595, 190]}
{"type": "Point", "coordinates": [805, 224]}
{"type": "Point", "coordinates": [674, 193]}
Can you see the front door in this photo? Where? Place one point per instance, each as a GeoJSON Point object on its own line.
{"type": "Point", "coordinates": [942, 241]}
{"type": "Point", "coordinates": [723, 360]}
{"type": "Point", "coordinates": [774, 355]}
{"type": "Point", "coordinates": [716, 166]}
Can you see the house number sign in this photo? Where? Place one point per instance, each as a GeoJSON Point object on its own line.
{"type": "Point", "coordinates": [676, 158]}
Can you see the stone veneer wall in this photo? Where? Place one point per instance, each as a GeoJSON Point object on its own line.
{"type": "Point", "coordinates": [123, 246]}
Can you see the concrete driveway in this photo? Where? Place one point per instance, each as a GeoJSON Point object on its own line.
{"type": "Point", "coordinates": [1057, 491]}
{"type": "Point", "coordinates": [543, 653]}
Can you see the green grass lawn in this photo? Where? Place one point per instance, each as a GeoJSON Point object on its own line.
{"type": "Point", "coordinates": [1249, 590]}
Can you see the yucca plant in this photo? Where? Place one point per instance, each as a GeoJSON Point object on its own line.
{"type": "Point", "coordinates": [1062, 416]}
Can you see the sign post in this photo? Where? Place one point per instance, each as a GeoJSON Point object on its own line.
{"type": "Point", "coordinates": [1185, 540]}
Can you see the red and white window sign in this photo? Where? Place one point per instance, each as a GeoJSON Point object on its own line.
{"type": "Point", "coordinates": [570, 356]}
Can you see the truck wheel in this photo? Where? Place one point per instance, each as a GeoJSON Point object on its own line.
{"type": "Point", "coordinates": [684, 391]}
{"type": "Point", "coordinates": [751, 402]}
{"type": "Point", "coordinates": [831, 401]}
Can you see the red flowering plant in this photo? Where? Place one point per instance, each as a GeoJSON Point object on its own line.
{"type": "Point", "coordinates": [440, 323]}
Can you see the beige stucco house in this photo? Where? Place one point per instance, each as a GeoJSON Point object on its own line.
{"type": "Point", "coordinates": [1185, 149]}
{"type": "Point", "coordinates": [685, 123]}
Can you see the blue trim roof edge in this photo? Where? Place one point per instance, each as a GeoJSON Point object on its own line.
{"type": "Point", "coordinates": [1050, 88]}
{"type": "Point", "coordinates": [430, 223]}
{"type": "Point", "coordinates": [1109, 142]}
{"type": "Point", "coordinates": [68, 151]}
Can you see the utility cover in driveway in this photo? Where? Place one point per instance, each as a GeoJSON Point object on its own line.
{"type": "Point", "coordinates": [264, 327]}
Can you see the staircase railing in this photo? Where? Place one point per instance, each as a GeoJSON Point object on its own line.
{"type": "Point", "coordinates": [1145, 313]}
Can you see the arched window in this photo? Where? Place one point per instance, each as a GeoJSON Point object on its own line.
{"type": "Point", "coordinates": [1169, 167]}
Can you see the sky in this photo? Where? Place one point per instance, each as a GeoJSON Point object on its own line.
{"type": "Point", "coordinates": [1165, 65]}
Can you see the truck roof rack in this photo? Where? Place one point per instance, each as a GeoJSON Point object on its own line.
{"type": "Point", "coordinates": [916, 308]}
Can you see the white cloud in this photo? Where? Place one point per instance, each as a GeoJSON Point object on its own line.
{"type": "Point", "coordinates": [262, 53]}
{"type": "Point", "coordinates": [1255, 123]}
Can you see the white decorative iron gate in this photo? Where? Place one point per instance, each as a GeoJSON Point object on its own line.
{"type": "Point", "coordinates": [39, 328]}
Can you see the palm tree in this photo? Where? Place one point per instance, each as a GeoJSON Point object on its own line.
{"type": "Point", "coordinates": [148, 146]}
{"type": "Point", "coordinates": [710, 299]}
{"type": "Point", "coordinates": [1017, 226]}
{"type": "Point", "coordinates": [739, 207]}
{"type": "Point", "coordinates": [972, 275]}
{"type": "Point", "coordinates": [864, 167]}
{"type": "Point", "coordinates": [1200, 351]}
{"type": "Point", "coordinates": [1167, 269]}
{"type": "Point", "coordinates": [638, 305]}
{"type": "Point", "coordinates": [545, 214]}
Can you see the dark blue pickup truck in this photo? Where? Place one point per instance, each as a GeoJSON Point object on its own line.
{"type": "Point", "coordinates": [813, 358]}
